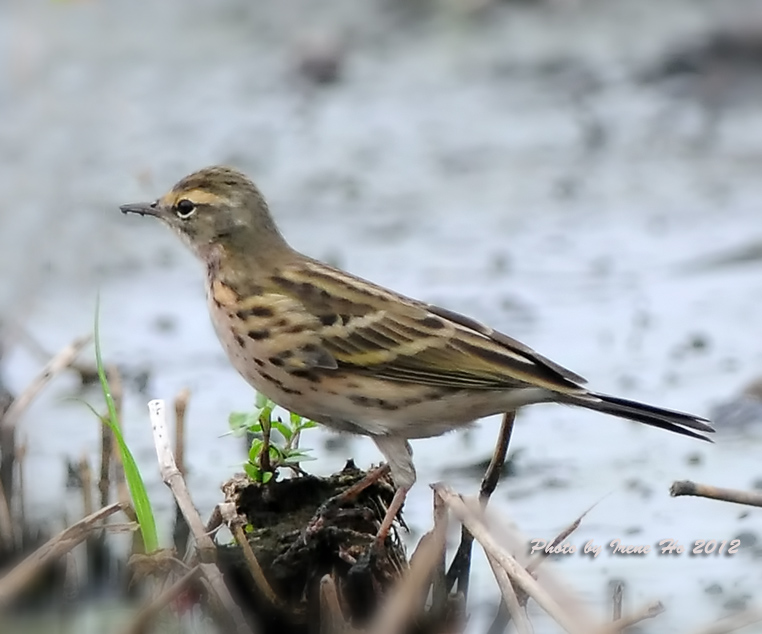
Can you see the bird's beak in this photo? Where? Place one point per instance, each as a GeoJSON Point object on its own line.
{"type": "Point", "coordinates": [144, 209]}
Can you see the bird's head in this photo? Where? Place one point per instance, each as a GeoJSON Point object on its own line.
{"type": "Point", "coordinates": [216, 206]}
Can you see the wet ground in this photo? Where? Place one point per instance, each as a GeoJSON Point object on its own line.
{"type": "Point", "coordinates": [503, 164]}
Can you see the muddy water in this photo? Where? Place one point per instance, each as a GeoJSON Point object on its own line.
{"type": "Point", "coordinates": [449, 163]}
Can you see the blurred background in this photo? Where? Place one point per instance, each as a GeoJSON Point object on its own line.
{"type": "Point", "coordinates": [584, 175]}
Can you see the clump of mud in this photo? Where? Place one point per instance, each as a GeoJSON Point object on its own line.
{"type": "Point", "coordinates": [302, 529]}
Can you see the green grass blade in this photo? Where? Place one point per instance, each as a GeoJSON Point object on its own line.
{"type": "Point", "coordinates": [135, 483]}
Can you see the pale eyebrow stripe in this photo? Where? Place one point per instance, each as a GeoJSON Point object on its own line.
{"type": "Point", "coordinates": [198, 196]}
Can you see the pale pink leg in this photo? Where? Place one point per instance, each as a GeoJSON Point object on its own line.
{"type": "Point", "coordinates": [391, 513]}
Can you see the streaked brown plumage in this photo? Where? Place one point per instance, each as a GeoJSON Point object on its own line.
{"type": "Point", "coordinates": [353, 355]}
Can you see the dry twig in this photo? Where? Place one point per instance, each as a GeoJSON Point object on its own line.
{"type": "Point", "coordinates": [181, 407]}
{"type": "Point", "coordinates": [55, 366]}
{"type": "Point", "coordinates": [460, 568]}
{"type": "Point", "coordinates": [21, 575]}
{"type": "Point", "coordinates": [648, 612]}
{"type": "Point", "coordinates": [517, 573]}
{"type": "Point", "coordinates": [86, 476]}
{"type": "Point", "coordinates": [107, 448]}
{"type": "Point", "coordinates": [511, 601]}
{"type": "Point", "coordinates": [205, 546]}
{"type": "Point", "coordinates": [148, 613]}
{"type": "Point", "coordinates": [439, 582]}
{"type": "Point", "coordinates": [172, 477]}
{"type": "Point", "coordinates": [617, 600]}
{"type": "Point", "coordinates": [535, 562]}
{"type": "Point", "coordinates": [21, 454]}
{"type": "Point", "coordinates": [181, 531]}
{"type": "Point", "coordinates": [6, 524]}
{"type": "Point", "coordinates": [254, 568]}
{"type": "Point", "coordinates": [686, 487]}
{"type": "Point", "coordinates": [332, 620]}
{"type": "Point", "coordinates": [115, 383]}
{"type": "Point", "coordinates": [405, 598]}
{"type": "Point", "coordinates": [9, 421]}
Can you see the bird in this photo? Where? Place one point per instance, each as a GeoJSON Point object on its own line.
{"type": "Point", "coordinates": [353, 355]}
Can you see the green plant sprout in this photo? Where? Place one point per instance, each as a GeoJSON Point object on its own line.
{"type": "Point", "coordinates": [275, 443]}
{"type": "Point", "coordinates": [138, 492]}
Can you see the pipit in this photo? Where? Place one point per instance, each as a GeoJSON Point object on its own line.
{"type": "Point", "coordinates": [352, 355]}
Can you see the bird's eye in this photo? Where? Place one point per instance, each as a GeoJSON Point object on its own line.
{"type": "Point", "coordinates": [185, 208]}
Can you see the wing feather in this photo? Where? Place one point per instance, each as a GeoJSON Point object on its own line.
{"type": "Point", "coordinates": [373, 331]}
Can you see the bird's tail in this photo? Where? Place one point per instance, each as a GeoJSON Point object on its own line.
{"type": "Point", "coordinates": [670, 420]}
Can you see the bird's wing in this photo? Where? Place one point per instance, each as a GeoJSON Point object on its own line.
{"type": "Point", "coordinates": [371, 330]}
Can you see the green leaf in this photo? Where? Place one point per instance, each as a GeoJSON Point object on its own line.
{"type": "Point", "coordinates": [252, 471]}
{"type": "Point", "coordinates": [135, 484]}
{"type": "Point", "coordinates": [299, 453]}
{"type": "Point", "coordinates": [295, 459]}
{"type": "Point", "coordinates": [307, 424]}
{"type": "Point", "coordinates": [265, 415]}
{"type": "Point", "coordinates": [261, 401]}
{"type": "Point", "coordinates": [275, 453]}
{"type": "Point", "coordinates": [267, 476]}
{"type": "Point", "coordinates": [237, 421]}
{"type": "Point", "coordinates": [255, 450]}
{"type": "Point", "coordinates": [284, 429]}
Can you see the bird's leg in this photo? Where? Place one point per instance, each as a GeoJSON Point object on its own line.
{"type": "Point", "coordinates": [360, 486]}
{"type": "Point", "coordinates": [331, 505]}
{"type": "Point", "coordinates": [399, 463]}
{"type": "Point", "coordinates": [399, 457]}
{"type": "Point", "coordinates": [391, 513]}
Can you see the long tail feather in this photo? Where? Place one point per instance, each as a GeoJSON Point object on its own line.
{"type": "Point", "coordinates": [670, 420]}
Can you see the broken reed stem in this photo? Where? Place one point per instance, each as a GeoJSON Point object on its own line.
{"type": "Point", "coordinates": [535, 562]}
{"type": "Point", "coordinates": [86, 476]}
{"type": "Point", "coordinates": [254, 568]}
{"type": "Point", "coordinates": [686, 487]}
{"type": "Point", "coordinates": [439, 590]}
{"type": "Point", "coordinates": [6, 524]}
{"type": "Point", "coordinates": [142, 621]}
{"type": "Point", "coordinates": [107, 448]}
{"type": "Point", "coordinates": [517, 573]}
{"type": "Point", "coordinates": [115, 383]}
{"type": "Point", "coordinates": [492, 475]}
{"type": "Point", "coordinates": [117, 388]}
{"type": "Point", "coordinates": [180, 531]}
{"type": "Point", "coordinates": [120, 481]}
{"type": "Point", "coordinates": [648, 612]}
{"type": "Point", "coordinates": [9, 421]}
{"type": "Point", "coordinates": [617, 600]}
{"type": "Point", "coordinates": [71, 581]}
{"type": "Point", "coordinates": [21, 455]}
{"type": "Point", "coordinates": [205, 547]}
{"type": "Point", "coordinates": [55, 366]}
{"type": "Point", "coordinates": [7, 463]}
{"type": "Point", "coordinates": [510, 599]}
{"type": "Point", "coordinates": [181, 407]}
{"type": "Point", "coordinates": [460, 568]}
{"type": "Point", "coordinates": [16, 579]}
{"type": "Point", "coordinates": [421, 551]}
{"type": "Point", "coordinates": [172, 477]}
{"type": "Point", "coordinates": [405, 599]}
{"type": "Point", "coordinates": [215, 520]}
{"type": "Point", "coordinates": [515, 542]}
{"type": "Point", "coordinates": [332, 619]}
